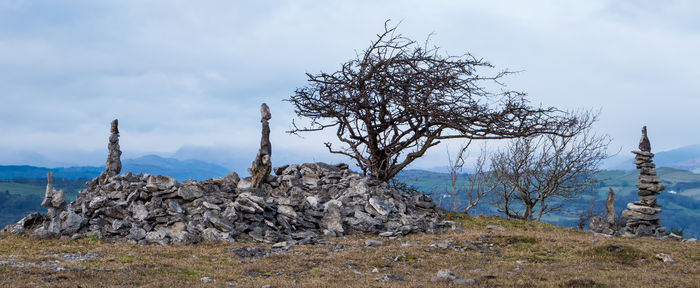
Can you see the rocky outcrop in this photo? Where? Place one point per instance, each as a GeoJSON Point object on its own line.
{"type": "Point", "coordinates": [296, 206]}
{"type": "Point", "coordinates": [642, 218]}
{"type": "Point", "coordinates": [114, 163]}
{"type": "Point", "coordinates": [262, 165]}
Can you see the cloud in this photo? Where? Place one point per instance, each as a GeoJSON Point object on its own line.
{"type": "Point", "coordinates": [181, 73]}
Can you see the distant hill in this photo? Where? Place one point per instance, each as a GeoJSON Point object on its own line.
{"type": "Point", "coordinates": [180, 169]}
{"type": "Point", "coordinates": [687, 158]}
{"type": "Point", "coordinates": [680, 200]}
{"type": "Point", "coordinates": [152, 164]}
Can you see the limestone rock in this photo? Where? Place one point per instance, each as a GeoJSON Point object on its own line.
{"type": "Point", "coordinates": [610, 206]}
{"type": "Point", "coordinates": [644, 143]}
{"type": "Point", "coordinates": [262, 165]}
{"type": "Point", "coordinates": [114, 164]}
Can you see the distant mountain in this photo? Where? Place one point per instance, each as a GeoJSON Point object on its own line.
{"type": "Point", "coordinates": [152, 164]}
{"type": "Point", "coordinates": [686, 158]}
{"type": "Point", "coordinates": [180, 169]}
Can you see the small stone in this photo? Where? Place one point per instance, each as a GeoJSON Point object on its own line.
{"type": "Point", "coordinates": [444, 275]}
{"type": "Point", "coordinates": [206, 280]}
{"type": "Point", "coordinates": [390, 278]}
{"type": "Point", "coordinates": [665, 258]}
{"type": "Point", "coordinates": [373, 243]}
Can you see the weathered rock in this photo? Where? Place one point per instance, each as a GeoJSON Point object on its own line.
{"type": "Point", "coordinates": [630, 214]}
{"type": "Point", "coordinates": [643, 209]}
{"type": "Point", "coordinates": [332, 220]}
{"type": "Point", "coordinates": [114, 165]}
{"type": "Point", "coordinates": [644, 143]}
{"type": "Point", "coordinates": [160, 183]}
{"type": "Point", "coordinates": [602, 226]}
{"type": "Point", "coordinates": [262, 165]}
{"type": "Point", "coordinates": [53, 198]}
{"type": "Point", "coordinates": [189, 192]}
{"type": "Point", "coordinates": [610, 206]}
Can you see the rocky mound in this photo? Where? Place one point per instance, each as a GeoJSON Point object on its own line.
{"type": "Point", "coordinates": [299, 204]}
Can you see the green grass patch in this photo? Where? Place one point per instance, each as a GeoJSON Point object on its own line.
{"type": "Point", "coordinates": [616, 253]}
{"type": "Point", "coordinates": [180, 272]}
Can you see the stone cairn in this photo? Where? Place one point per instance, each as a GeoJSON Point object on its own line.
{"type": "Point", "coordinates": [642, 218]}
{"type": "Point", "coordinates": [606, 225]}
{"type": "Point", "coordinates": [262, 165]}
{"type": "Point", "coordinates": [114, 163]}
{"type": "Point", "coordinates": [296, 206]}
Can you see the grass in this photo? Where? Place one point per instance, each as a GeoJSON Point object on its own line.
{"type": "Point", "coordinates": [526, 254]}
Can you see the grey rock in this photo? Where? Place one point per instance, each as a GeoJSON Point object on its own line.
{"type": "Point", "coordinates": [136, 233]}
{"type": "Point", "coordinates": [160, 183]}
{"type": "Point", "coordinates": [644, 143]}
{"type": "Point", "coordinates": [262, 165]}
{"type": "Point", "coordinates": [332, 220]}
{"type": "Point", "coordinates": [643, 209]}
{"type": "Point", "coordinates": [379, 206]}
{"type": "Point", "coordinates": [113, 166]}
{"type": "Point", "coordinates": [218, 223]}
{"type": "Point", "coordinates": [287, 211]}
{"type": "Point", "coordinates": [665, 258]}
{"type": "Point", "coordinates": [390, 278]}
{"type": "Point", "coordinates": [631, 214]}
{"type": "Point", "coordinates": [610, 206]}
{"type": "Point", "coordinates": [189, 192]}
{"type": "Point", "coordinates": [602, 226]}
{"type": "Point", "coordinates": [374, 243]}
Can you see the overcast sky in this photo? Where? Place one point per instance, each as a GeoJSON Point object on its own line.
{"type": "Point", "coordinates": [193, 73]}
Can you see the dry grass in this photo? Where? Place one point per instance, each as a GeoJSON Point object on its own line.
{"type": "Point", "coordinates": [527, 254]}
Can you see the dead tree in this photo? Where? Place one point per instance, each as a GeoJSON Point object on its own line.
{"type": "Point", "coordinates": [532, 172]}
{"type": "Point", "coordinates": [398, 98]}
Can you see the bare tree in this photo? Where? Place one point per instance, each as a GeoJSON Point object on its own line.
{"type": "Point", "coordinates": [533, 171]}
{"type": "Point", "coordinates": [477, 184]}
{"type": "Point", "coordinates": [456, 167]}
{"type": "Point", "coordinates": [398, 98]}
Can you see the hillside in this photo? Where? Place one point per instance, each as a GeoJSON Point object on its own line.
{"type": "Point", "coordinates": [681, 200]}
{"type": "Point", "coordinates": [490, 251]}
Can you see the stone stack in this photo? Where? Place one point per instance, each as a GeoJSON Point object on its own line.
{"type": "Point", "coordinates": [262, 165]}
{"type": "Point", "coordinates": [298, 205]}
{"type": "Point", "coordinates": [642, 218]}
{"type": "Point", "coordinates": [114, 164]}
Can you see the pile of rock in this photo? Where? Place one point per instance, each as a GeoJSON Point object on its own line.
{"type": "Point", "coordinates": [299, 204]}
{"type": "Point", "coordinates": [642, 218]}
{"type": "Point", "coordinates": [296, 206]}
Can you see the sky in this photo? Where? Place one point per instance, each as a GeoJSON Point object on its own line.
{"type": "Point", "coordinates": [186, 78]}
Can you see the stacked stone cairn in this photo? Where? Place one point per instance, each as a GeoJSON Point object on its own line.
{"type": "Point", "coordinates": [642, 218]}
{"type": "Point", "coordinates": [295, 206]}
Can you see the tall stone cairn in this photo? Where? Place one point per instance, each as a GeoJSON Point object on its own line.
{"type": "Point", "coordinates": [114, 164]}
{"type": "Point", "coordinates": [642, 218]}
{"type": "Point", "coordinates": [262, 165]}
